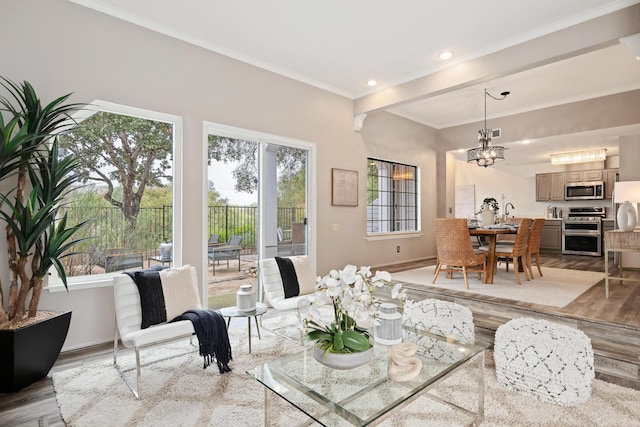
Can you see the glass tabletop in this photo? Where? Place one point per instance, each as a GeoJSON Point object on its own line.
{"type": "Point", "coordinates": [364, 394]}
{"type": "Point", "coordinates": [261, 308]}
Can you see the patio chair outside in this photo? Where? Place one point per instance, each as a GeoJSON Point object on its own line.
{"type": "Point", "coordinates": [230, 251]}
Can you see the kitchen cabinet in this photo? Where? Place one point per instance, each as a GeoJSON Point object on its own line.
{"type": "Point", "coordinates": [551, 239]}
{"type": "Point", "coordinates": [584, 176]}
{"type": "Point", "coordinates": [550, 186]}
{"type": "Point", "coordinates": [609, 182]}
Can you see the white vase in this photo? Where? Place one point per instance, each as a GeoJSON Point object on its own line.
{"type": "Point", "coordinates": [342, 360]}
{"type": "Point", "coordinates": [627, 218]}
{"type": "Point", "coordinates": [388, 327]}
{"type": "Point", "coordinates": [486, 216]}
{"type": "Point", "coordinates": [245, 299]}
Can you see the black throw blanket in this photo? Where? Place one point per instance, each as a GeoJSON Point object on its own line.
{"type": "Point", "coordinates": [211, 331]}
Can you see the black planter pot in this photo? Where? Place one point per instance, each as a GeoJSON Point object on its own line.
{"type": "Point", "coordinates": [27, 354]}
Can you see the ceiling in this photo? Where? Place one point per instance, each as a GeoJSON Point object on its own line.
{"type": "Point", "coordinates": [340, 45]}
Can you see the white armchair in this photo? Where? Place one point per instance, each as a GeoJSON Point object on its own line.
{"type": "Point", "coordinates": [129, 331]}
{"type": "Point", "coordinates": [274, 287]}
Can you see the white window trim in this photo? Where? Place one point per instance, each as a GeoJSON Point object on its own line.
{"type": "Point", "coordinates": [393, 235]}
{"type": "Point", "coordinates": [53, 283]}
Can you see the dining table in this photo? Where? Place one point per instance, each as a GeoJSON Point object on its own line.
{"type": "Point", "coordinates": [491, 234]}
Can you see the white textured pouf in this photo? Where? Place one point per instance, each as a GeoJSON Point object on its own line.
{"type": "Point", "coordinates": [543, 359]}
{"type": "Point", "coordinates": [443, 318]}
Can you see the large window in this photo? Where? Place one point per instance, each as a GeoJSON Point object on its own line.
{"type": "Point", "coordinates": [392, 197]}
{"type": "Point", "coordinates": [129, 159]}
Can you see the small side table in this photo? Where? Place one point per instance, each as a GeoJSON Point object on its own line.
{"type": "Point", "coordinates": [619, 241]}
{"type": "Point", "coordinates": [230, 312]}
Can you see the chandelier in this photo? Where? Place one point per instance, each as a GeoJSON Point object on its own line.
{"type": "Point", "coordinates": [583, 156]}
{"type": "Point", "coordinates": [486, 154]}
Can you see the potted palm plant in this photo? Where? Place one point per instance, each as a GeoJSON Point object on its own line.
{"type": "Point", "coordinates": [34, 180]}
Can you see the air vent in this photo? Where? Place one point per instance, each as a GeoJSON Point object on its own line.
{"type": "Point", "coordinates": [495, 133]}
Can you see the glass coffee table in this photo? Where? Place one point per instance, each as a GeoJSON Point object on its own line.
{"type": "Point", "coordinates": [230, 312]}
{"type": "Point", "coordinates": [365, 395]}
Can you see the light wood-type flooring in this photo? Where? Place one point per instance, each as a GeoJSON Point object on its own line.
{"type": "Point", "coordinates": [613, 326]}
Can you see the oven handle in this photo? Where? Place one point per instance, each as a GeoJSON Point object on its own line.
{"type": "Point", "coordinates": [581, 233]}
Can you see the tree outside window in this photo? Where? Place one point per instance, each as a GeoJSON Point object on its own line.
{"type": "Point", "coordinates": [126, 163]}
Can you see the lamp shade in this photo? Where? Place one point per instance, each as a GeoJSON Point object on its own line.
{"type": "Point", "coordinates": [626, 192]}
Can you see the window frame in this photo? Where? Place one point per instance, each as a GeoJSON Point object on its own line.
{"type": "Point", "coordinates": [383, 235]}
{"type": "Point", "coordinates": [52, 282]}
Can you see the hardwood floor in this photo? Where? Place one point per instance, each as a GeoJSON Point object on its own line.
{"type": "Point", "coordinates": [622, 307]}
{"type": "Point", "coordinates": [613, 326]}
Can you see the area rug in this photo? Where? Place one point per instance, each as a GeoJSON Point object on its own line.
{"type": "Point", "coordinates": [178, 392]}
{"type": "Point", "coordinates": [557, 288]}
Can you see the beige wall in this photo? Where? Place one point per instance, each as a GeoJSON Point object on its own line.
{"type": "Point", "coordinates": [69, 48]}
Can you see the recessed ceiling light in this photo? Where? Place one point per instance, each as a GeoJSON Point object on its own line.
{"type": "Point", "coordinates": [526, 141]}
{"type": "Point", "coordinates": [445, 55]}
{"type": "Point", "coordinates": [372, 82]}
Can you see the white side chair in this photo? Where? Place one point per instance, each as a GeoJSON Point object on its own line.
{"type": "Point", "coordinates": [274, 288]}
{"type": "Point", "coordinates": [129, 332]}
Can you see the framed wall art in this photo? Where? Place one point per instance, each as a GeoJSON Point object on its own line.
{"type": "Point", "coordinates": [344, 187]}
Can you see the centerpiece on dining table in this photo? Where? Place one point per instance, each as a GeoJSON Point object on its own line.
{"type": "Point", "coordinates": [346, 342]}
{"type": "Point", "coordinates": [488, 212]}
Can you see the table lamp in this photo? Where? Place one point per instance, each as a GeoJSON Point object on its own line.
{"type": "Point", "coordinates": [627, 192]}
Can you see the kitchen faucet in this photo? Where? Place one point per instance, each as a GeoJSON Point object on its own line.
{"type": "Point", "coordinates": [506, 210]}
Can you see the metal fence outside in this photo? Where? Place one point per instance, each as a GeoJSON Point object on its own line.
{"type": "Point", "coordinates": [108, 231]}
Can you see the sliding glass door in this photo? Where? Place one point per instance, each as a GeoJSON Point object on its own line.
{"type": "Point", "coordinates": [257, 206]}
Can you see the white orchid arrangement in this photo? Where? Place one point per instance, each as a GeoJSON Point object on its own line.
{"type": "Point", "coordinates": [351, 291]}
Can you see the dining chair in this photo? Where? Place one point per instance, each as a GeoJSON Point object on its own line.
{"type": "Point", "coordinates": [454, 249]}
{"type": "Point", "coordinates": [508, 239]}
{"type": "Point", "coordinates": [533, 247]}
{"type": "Point", "coordinates": [516, 252]}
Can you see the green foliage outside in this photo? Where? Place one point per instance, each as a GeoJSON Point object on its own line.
{"type": "Point", "coordinates": [372, 181]}
{"type": "Point", "coordinates": [125, 163]}
{"type": "Point", "coordinates": [117, 150]}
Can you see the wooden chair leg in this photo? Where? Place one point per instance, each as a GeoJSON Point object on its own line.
{"type": "Point", "coordinates": [515, 270]}
{"type": "Point", "coordinates": [529, 268]}
{"type": "Point", "coordinates": [466, 280]}
{"type": "Point", "coordinates": [538, 263]}
{"type": "Point", "coordinates": [526, 271]}
{"type": "Point", "coordinates": [435, 274]}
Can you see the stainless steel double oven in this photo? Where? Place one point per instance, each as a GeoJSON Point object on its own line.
{"type": "Point", "coordinates": [582, 231]}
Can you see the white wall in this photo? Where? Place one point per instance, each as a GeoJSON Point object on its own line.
{"type": "Point", "coordinates": [69, 48]}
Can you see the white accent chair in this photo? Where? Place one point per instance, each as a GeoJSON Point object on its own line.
{"type": "Point", "coordinates": [128, 328]}
{"type": "Point", "coordinates": [274, 288]}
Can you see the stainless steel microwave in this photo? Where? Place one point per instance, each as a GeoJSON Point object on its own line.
{"type": "Point", "coordinates": [584, 190]}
